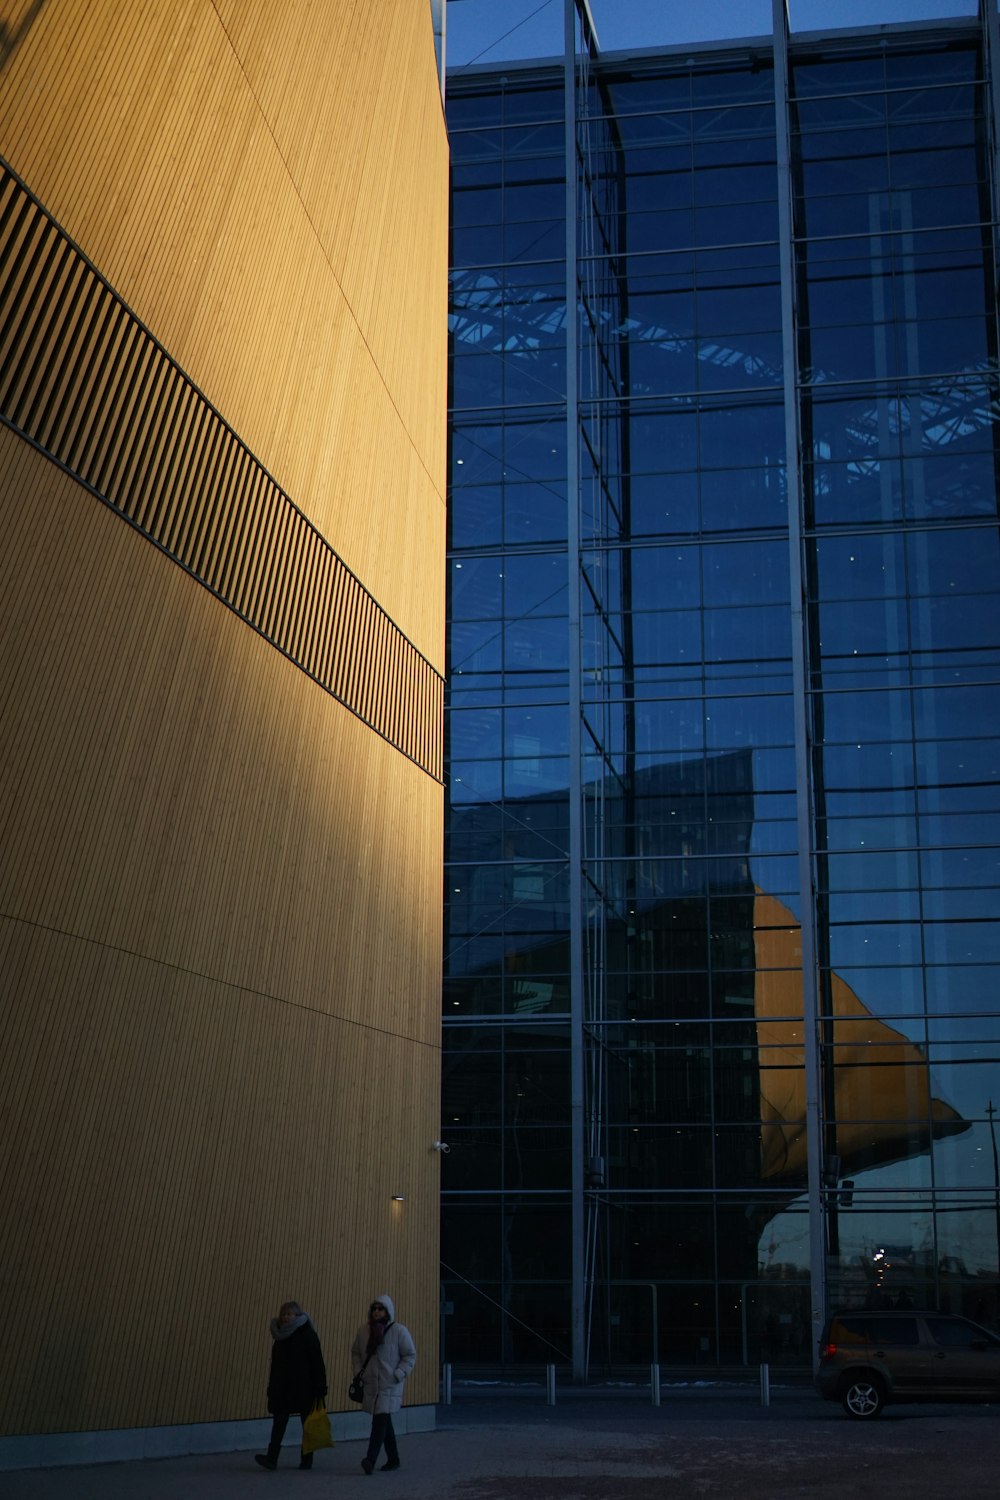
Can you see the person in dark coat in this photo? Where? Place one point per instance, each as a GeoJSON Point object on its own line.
{"type": "Point", "coordinates": [297, 1380]}
{"type": "Point", "coordinates": [385, 1351]}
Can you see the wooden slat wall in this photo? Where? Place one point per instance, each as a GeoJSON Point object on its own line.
{"type": "Point", "coordinates": [266, 187]}
{"type": "Point", "coordinates": [91, 387]}
{"type": "Point", "coordinates": [219, 891]}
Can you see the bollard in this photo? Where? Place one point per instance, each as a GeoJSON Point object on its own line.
{"type": "Point", "coordinates": [654, 1383]}
{"type": "Point", "coordinates": [446, 1384]}
{"type": "Point", "coordinates": [550, 1385]}
{"type": "Point", "coordinates": [765, 1385]}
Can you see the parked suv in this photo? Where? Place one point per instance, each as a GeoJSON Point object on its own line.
{"type": "Point", "coordinates": [869, 1358]}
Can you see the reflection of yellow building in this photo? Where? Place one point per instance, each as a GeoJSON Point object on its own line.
{"type": "Point", "coordinates": [881, 1082]}
{"type": "Point", "coordinates": [223, 280]}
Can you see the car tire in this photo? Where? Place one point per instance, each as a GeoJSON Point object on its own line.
{"type": "Point", "coordinates": [863, 1397]}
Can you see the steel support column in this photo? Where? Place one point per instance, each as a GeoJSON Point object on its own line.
{"type": "Point", "coordinates": [811, 1031]}
{"type": "Point", "coordinates": [577, 1100]}
{"type": "Point", "coordinates": [574, 11]}
{"type": "Point", "coordinates": [989, 20]}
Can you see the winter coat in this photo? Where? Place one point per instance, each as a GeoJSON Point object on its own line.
{"type": "Point", "coordinates": [298, 1374]}
{"type": "Point", "coordinates": [386, 1371]}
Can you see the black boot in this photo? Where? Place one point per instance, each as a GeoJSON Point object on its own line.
{"type": "Point", "coordinates": [265, 1460]}
{"type": "Point", "coordinates": [391, 1451]}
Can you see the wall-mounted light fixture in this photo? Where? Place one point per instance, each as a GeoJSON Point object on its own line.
{"type": "Point", "coordinates": [398, 1198]}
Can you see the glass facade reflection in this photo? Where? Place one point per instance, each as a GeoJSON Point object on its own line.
{"type": "Point", "coordinates": [722, 902]}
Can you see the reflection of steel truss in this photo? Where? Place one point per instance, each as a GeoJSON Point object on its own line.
{"type": "Point", "coordinates": [944, 413]}
{"type": "Point", "coordinates": [489, 317]}
{"type": "Point", "coordinates": [482, 307]}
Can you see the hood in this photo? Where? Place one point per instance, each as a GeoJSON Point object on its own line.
{"type": "Point", "coordinates": [387, 1303]}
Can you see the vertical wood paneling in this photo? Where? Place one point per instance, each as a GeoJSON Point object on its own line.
{"type": "Point", "coordinates": [287, 244]}
{"type": "Point", "coordinates": [219, 890]}
{"type": "Point", "coordinates": [210, 822]}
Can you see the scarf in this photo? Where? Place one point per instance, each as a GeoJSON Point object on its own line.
{"type": "Point", "coordinates": [281, 1331]}
{"type": "Point", "coordinates": [376, 1333]}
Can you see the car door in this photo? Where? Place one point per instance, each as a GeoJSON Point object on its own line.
{"type": "Point", "coordinates": [897, 1349]}
{"type": "Point", "coordinates": [964, 1358]}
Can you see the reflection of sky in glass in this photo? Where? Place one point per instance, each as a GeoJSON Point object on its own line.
{"type": "Point", "coordinates": [966, 1218]}
{"type": "Point", "coordinates": [480, 31]}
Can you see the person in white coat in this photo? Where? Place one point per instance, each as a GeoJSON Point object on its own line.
{"type": "Point", "coordinates": [385, 1351]}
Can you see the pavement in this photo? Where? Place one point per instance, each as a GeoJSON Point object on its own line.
{"type": "Point", "coordinates": [595, 1445]}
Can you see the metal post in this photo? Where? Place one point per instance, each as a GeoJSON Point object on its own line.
{"type": "Point", "coordinates": [803, 777]}
{"type": "Point", "coordinates": [990, 23]}
{"type": "Point", "coordinates": [550, 1385]}
{"type": "Point", "coordinates": [575, 830]}
{"type": "Point", "coordinates": [438, 12]}
{"type": "Point", "coordinates": [443, 1326]}
{"type": "Point", "coordinates": [446, 1385]}
{"type": "Point", "coordinates": [765, 1385]}
{"type": "Point", "coordinates": [990, 1113]}
{"type": "Point", "coordinates": [654, 1383]}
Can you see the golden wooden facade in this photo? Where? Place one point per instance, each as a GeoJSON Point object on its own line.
{"type": "Point", "coordinates": [219, 883]}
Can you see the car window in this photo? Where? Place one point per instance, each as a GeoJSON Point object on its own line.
{"type": "Point", "coordinates": [956, 1333]}
{"type": "Point", "coordinates": [847, 1331]}
{"type": "Point", "coordinates": [893, 1331]}
{"type": "Point", "coordinates": [871, 1329]}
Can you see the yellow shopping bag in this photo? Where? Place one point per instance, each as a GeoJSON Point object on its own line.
{"type": "Point", "coordinates": [316, 1429]}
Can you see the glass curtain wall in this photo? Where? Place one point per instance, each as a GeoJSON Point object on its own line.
{"type": "Point", "coordinates": [899, 403]}
{"type": "Point", "coordinates": [506, 1239]}
{"type": "Point", "coordinates": [697, 1243]}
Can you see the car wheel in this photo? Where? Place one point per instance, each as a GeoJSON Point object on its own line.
{"type": "Point", "coordinates": [864, 1396]}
